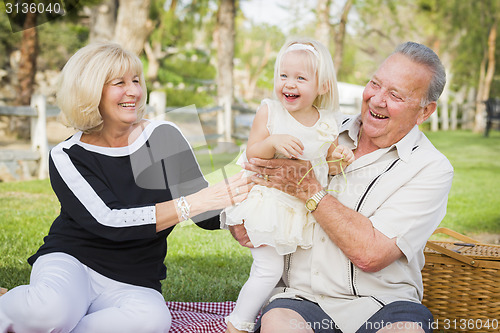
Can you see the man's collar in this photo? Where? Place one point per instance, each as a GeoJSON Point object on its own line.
{"type": "Point", "coordinates": [404, 147]}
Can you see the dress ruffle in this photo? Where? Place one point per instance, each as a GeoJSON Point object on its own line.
{"type": "Point", "coordinates": [274, 218]}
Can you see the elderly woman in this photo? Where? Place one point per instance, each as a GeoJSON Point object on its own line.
{"type": "Point", "coordinates": [123, 183]}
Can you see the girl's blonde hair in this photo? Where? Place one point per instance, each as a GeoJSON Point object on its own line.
{"type": "Point", "coordinates": [323, 66]}
{"type": "Point", "coordinates": [82, 80]}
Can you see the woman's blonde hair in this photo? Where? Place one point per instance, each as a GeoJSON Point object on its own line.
{"type": "Point", "coordinates": [82, 80]}
{"type": "Point", "coordinates": [322, 65]}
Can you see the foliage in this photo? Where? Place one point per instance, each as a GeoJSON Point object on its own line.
{"type": "Point", "coordinates": [186, 71]}
{"type": "Point", "coordinates": [58, 41]}
{"type": "Point", "coordinates": [456, 29]}
{"type": "Point", "coordinates": [188, 78]}
{"type": "Point", "coordinates": [466, 23]}
{"type": "Point", "coordinates": [8, 41]}
{"type": "Point", "coordinates": [256, 48]}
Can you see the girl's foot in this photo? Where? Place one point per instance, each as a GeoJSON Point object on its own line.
{"type": "Point", "coordinates": [2, 291]}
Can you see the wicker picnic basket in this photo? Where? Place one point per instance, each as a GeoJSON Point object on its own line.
{"type": "Point", "coordinates": [462, 284]}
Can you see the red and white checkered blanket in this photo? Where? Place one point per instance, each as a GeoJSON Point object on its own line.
{"type": "Point", "coordinates": [199, 317]}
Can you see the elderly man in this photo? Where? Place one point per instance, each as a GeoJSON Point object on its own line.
{"type": "Point", "coordinates": [363, 272]}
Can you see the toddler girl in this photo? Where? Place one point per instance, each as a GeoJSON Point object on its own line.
{"type": "Point", "coordinates": [298, 123]}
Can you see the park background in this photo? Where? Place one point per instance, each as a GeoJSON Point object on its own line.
{"type": "Point", "coordinates": [219, 54]}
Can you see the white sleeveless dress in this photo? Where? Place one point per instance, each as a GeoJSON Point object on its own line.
{"type": "Point", "coordinates": [271, 216]}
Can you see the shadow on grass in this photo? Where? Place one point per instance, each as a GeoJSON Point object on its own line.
{"type": "Point", "coordinates": [11, 277]}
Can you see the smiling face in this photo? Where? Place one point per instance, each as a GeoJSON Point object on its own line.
{"type": "Point", "coordinates": [391, 101]}
{"type": "Point", "coordinates": [119, 100]}
{"type": "Point", "coordinates": [296, 87]}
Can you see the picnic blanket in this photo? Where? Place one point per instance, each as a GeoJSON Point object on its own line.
{"type": "Point", "coordinates": [199, 317]}
{"type": "Point", "coordinates": [195, 317]}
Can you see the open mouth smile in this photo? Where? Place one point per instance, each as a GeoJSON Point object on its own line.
{"type": "Point", "coordinates": [378, 115]}
{"type": "Point", "coordinates": [290, 97]}
{"type": "Point", "coordinates": [127, 105]}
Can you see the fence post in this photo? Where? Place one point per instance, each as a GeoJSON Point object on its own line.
{"type": "Point", "coordinates": [39, 140]}
{"type": "Point", "coordinates": [435, 120]}
{"type": "Point", "coordinates": [445, 98]}
{"type": "Point", "coordinates": [158, 100]}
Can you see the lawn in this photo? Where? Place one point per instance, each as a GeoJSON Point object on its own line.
{"type": "Point", "coordinates": [474, 200]}
{"type": "Point", "coordinates": [210, 265]}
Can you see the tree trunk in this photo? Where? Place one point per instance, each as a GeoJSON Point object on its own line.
{"type": "Point", "coordinates": [103, 21]}
{"type": "Point", "coordinates": [485, 79]}
{"type": "Point", "coordinates": [225, 34]}
{"type": "Point", "coordinates": [323, 33]}
{"type": "Point", "coordinates": [153, 61]}
{"type": "Point", "coordinates": [20, 126]}
{"type": "Point", "coordinates": [27, 63]}
{"type": "Point", "coordinates": [340, 36]}
{"type": "Point", "coordinates": [133, 25]}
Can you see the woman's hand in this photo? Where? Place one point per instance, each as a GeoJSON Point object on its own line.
{"type": "Point", "coordinates": [294, 177]}
{"type": "Point", "coordinates": [240, 234]}
{"type": "Point", "coordinates": [228, 192]}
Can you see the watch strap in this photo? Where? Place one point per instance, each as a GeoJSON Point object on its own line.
{"type": "Point", "coordinates": [316, 198]}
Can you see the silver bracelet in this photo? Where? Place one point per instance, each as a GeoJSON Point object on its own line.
{"type": "Point", "coordinates": [184, 208]}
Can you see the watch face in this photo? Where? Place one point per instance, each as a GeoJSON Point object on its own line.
{"type": "Point", "coordinates": [310, 204]}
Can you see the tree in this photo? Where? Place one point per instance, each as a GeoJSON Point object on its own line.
{"type": "Point", "coordinates": [133, 25]}
{"type": "Point", "coordinates": [325, 29]}
{"type": "Point", "coordinates": [27, 62]}
{"type": "Point", "coordinates": [323, 26]}
{"type": "Point", "coordinates": [340, 35]}
{"type": "Point", "coordinates": [486, 77]}
{"type": "Point", "coordinates": [256, 49]}
{"type": "Point", "coordinates": [103, 20]}
{"type": "Point", "coordinates": [224, 37]}
{"type": "Point", "coordinates": [473, 26]}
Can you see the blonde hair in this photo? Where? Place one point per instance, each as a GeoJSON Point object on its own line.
{"type": "Point", "coordinates": [82, 80]}
{"type": "Point", "coordinates": [323, 66]}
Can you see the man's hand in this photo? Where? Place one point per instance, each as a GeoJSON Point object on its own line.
{"type": "Point", "coordinates": [294, 177]}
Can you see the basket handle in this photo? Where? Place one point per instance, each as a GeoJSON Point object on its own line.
{"type": "Point", "coordinates": [455, 234]}
{"type": "Point", "coordinates": [450, 253]}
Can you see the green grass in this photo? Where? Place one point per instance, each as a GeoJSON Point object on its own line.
{"type": "Point", "coordinates": [209, 265]}
{"type": "Point", "coordinates": [474, 200]}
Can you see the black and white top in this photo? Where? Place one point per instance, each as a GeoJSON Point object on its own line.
{"type": "Point", "coordinates": [108, 196]}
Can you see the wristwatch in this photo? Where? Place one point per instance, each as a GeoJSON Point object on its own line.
{"type": "Point", "coordinates": [313, 202]}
